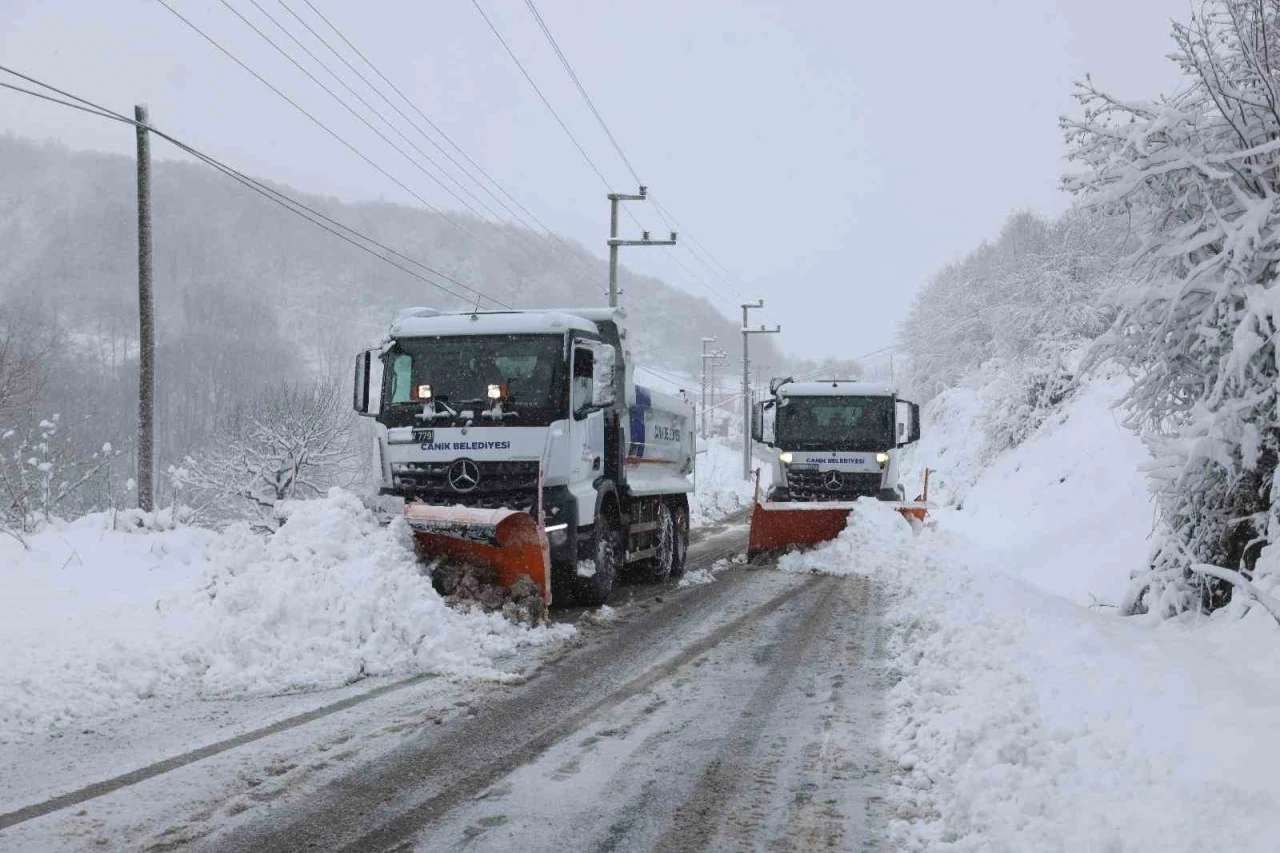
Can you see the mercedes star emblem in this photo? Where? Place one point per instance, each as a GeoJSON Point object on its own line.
{"type": "Point", "coordinates": [464, 475]}
{"type": "Point", "coordinates": [832, 480]}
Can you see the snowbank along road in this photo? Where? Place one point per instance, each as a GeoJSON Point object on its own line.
{"type": "Point", "coordinates": [738, 711]}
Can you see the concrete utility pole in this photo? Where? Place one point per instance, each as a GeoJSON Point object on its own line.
{"type": "Point", "coordinates": [712, 356]}
{"type": "Point", "coordinates": [614, 242]}
{"type": "Point", "coordinates": [746, 382]}
{"type": "Point", "coordinates": [146, 321]}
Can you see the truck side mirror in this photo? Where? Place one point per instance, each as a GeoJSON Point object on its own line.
{"type": "Point", "coordinates": [914, 434]}
{"type": "Point", "coordinates": [761, 428]}
{"type": "Point", "coordinates": [604, 389]}
{"type": "Point", "coordinates": [367, 388]}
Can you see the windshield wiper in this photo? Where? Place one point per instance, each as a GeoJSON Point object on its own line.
{"type": "Point", "coordinates": [435, 412]}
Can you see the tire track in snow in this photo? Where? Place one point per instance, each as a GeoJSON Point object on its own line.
{"type": "Point", "coordinates": [383, 806]}
{"type": "Point", "coordinates": [715, 801]}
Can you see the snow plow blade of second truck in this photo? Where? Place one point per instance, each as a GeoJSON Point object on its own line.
{"type": "Point", "coordinates": [508, 541]}
{"type": "Point", "coordinates": [777, 525]}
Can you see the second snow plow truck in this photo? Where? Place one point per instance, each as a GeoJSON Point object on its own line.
{"type": "Point", "coordinates": [519, 441]}
{"type": "Point", "coordinates": [837, 441]}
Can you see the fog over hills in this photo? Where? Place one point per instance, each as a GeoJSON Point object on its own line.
{"type": "Point", "coordinates": [67, 234]}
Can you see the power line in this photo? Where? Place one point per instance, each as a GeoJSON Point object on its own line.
{"type": "Point", "coordinates": [92, 112]}
{"type": "Point", "coordinates": [358, 97]}
{"type": "Point", "coordinates": [275, 195]}
{"type": "Point", "coordinates": [331, 94]}
{"type": "Point", "coordinates": [572, 254]}
{"type": "Point", "coordinates": [664, 374]}
{"type": "Point", "coordinates": [667, 220]}
{"type": "Point", "coordinates": [672, 225]}
{"type": "Point", "coordinates": [559, 120]}
{"type": "Point", "coordinates": [367, 106]}
{"type": "Point", "coordinates": [545, 102]}
{"type": "Point", "coordinates": [977, 315]}
{"type": "Point", "coordinates": [546, 31]}
{"type": "Point", "coordinates": [315, 120]}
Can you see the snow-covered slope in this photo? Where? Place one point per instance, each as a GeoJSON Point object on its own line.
{"type": "Point", "coordinates": [94, 619]}
{"type": "Point", "coordinates": [1067, 510]}
{"type": "Point", "coordinates": [1018, 721]}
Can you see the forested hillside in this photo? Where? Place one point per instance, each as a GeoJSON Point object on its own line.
{"type": "Point", "coordinates": [251, 299]}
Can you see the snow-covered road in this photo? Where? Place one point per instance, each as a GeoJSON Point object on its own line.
{"type": "Point", "coordinates": [732, 715]}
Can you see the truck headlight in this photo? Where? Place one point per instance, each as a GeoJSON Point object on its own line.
{"type": "Point", "coordinates": [882, 458]}
{"type": "Point", "coordinates": [784, 458]}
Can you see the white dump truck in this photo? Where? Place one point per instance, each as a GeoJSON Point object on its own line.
{"type": "Point", "coordinates": [519, 440]}
{"type": "Point", "coordinates": [836, 441]}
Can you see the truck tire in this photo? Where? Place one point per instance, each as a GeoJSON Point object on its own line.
{"type": "Point", "coordinates": [658, 567]}
{"type": "Point", "coordinates": [607, 551]}
{"type": "Point", "coordinates": [680, 515]}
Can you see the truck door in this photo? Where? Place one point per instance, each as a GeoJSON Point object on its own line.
{"type": "Point", "coordinates": [586, 427]}
{"type": "Point", "coordinates": [902, 427]}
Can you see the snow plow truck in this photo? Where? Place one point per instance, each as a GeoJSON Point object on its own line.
{"type": "Point", "coordinates": [519, 441]}
{"type": "Point", "coordinates": [836, 441]}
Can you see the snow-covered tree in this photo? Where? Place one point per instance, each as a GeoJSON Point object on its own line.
{"type": "Point", "coordinates": [288, 441]}
{"type": "Point", "coordinates": [1197, 174]}
{"type": "Point", "coordinates": [1025, 298]}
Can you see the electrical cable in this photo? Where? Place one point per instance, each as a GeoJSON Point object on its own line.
{"type": "Point", "coordinates": [315, 120]}
{"type": "Point", "coordinates": [551, 240]}
{"type": "Point", "coordinates": [279, 197]}
{"type": "Point", "coordinates": [545, 102]}
{"type": "Point", "coordinates": [373, 110]}
{"type": "Point", "coordinates": [365, 59]}
{"type": "Point", "coordinates": [667, 219]}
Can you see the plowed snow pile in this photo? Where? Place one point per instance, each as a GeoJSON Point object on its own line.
{"type": "Point", "coordinates": [93, 620]}
{"type": "Point", "coordinates": [1019, 721]}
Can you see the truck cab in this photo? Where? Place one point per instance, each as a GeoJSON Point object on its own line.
{"type": "Point", "coordinates": [836, 440]}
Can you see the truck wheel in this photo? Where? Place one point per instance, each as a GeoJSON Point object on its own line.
{"type": "Point", "coordinates": [606, 550]}
{"type": "Point", "coordinates": [658, 567]}
{"type": "Point", "coordinates": [680, 552]}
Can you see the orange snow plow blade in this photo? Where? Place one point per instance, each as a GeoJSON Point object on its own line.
{"type": "Point", "coordinates": [776, 525]}
{"type": "Point", "coordinates": [508, 541]}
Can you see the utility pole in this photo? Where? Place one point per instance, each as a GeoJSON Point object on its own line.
{"type": "Point", "coordinates": [712, 356]}
{"type": "Point", "coordinates": [615, 242]}
{"type": "Point", "coordinates": [146, 321]}
{"type": "Point", "coordinates": [746, 382]}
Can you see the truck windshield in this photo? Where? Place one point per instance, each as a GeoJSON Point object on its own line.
{"type": "Point", "coordinates": [456, 371]}
{"type": "Point", "coordinates": [864, 424]}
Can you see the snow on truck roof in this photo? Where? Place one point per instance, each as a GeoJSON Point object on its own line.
{"type": "Point", "coordinates": [423, 322]}
{"type": "Point", "coordinates": [834, 388]}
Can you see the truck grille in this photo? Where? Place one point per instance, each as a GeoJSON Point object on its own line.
{"type": "Point", "coordinates": [816, 485]}
{"type": "Point", "coordinates": [512, 485]}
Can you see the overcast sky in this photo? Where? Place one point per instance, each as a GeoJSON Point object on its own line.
{"type": "Point", "coordinates": [830, 155]}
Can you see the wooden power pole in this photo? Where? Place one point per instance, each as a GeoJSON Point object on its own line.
{"type": "Point", "coordinates": [146, 322]}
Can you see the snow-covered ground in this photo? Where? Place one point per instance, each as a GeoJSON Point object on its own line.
{"type": "Point", "coordinates": [95, 619]}
{"type": "Point", "coordinates": [1067, 510]}
{"type": "Point", "coordinates": [1021, 719]}
{"type": "Point", "coordinates": [721, 491]}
